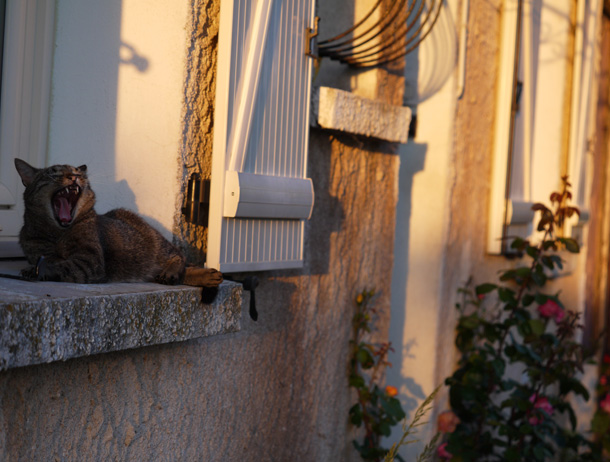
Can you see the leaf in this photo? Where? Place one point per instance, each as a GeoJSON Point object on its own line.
{"type": "Point", "coordinates": [539, 452]}
{"type": "Point", "coordinates": [485, 288]}
{"type": "Point", "coordinates": [525, 429]}
{"type": "Point", "coordinates": [507, 275]}
{"type": "Point", "coordinates": [393, 408]}
{"type": "Point", "coordinates": [539, 278]}
{"type": "Point", "coordinates": [532, 251]}
{"type": "Point", "coordinates": [519, 244]}
{"type": "Point", "coordinates": [356, 381]}
{"type": "Point", "coordinates": [506, 295]}
{"type": "Point", "coordinates": [573, 419]}
{"type": "Point", "coordinates": [498, 366]}
{"type": "Point", "coordinates": [385, 429]}
{"type": "Point", "coordinates": [364, 357]}
{"type": "Point", "coordinates": [527, 299]}
{"type": "Point", "coordinates": [512, 454]}
{"type": "Point", "coordinates": [540, 207]}
{"type": "Point", "coordinates": [569, 384]}
{"type": "Point", "coordinates": [470, 322]}
{"type": "Point", "coordinates": [547, 218]}
{"type": "Point", "coordinates": [571, 244]}
{"type": "Point", "coordinates": [355, 415]}
{"type": "Point", "coordinates": [523, 272]}
{"type": "Point", "coordinates": [549, 244]}
{"type": "Point", "coordinates": [601, 422]}
{"type": "Point", "coordinates": [558, 261]}
{"type": "Point", "coordinates": [538, 326]}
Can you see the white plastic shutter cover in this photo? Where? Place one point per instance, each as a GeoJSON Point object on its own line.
{"type": "Point", "coordinates": [260, 194]}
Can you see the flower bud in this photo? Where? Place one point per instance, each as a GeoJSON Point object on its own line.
{"type": "Point", "coordinates": [391, 391]}
{"type": "Point", "coordinates": [447, 421]}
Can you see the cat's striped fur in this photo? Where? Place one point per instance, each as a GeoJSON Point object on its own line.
{"type": "Point", "coordinates": [66, 240]}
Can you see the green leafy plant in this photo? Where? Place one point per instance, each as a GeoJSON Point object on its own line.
{"type": "Point", "coordinates": [377, 409]}
{"type": "Point", "coordinates": [519, 360]}
{"type": "Point", "coordinates": [600, 424]}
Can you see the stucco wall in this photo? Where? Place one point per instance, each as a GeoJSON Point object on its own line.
{"type": "Point", "coordinates": [275, 391]}
{"type": "Point", "coordinates": [117, 100]}
{"type": "Point", "coordinates": [442, 216]}
{"type": "Point", "coordinates": [198, 113]}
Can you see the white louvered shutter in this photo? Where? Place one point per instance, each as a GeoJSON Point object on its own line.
{"type": "Point", "coordinates": [260, 195]}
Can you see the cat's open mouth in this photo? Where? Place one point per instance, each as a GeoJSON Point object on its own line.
{"type": "Point", "coordinates": [64, 202]}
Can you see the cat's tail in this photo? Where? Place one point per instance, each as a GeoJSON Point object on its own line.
{"type": "Point", "coordinates": [202, 277]}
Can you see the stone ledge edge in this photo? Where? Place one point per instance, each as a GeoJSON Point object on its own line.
{"type": "Point", "coordinates": [334, 109]}
{"type": "Point", "coordinates": [43, 331]}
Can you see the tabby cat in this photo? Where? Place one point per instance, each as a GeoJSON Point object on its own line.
{"type": "Point", "coordinates": [66, 240]}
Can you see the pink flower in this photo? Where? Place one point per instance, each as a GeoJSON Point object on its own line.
{"type": "Point", "coordinates": [559, 314]}
{"type": "Point", "coordinates": [551, 309]}
{"type": "Point", "coordinates": [443, 453]}
{"type": "Point", "coordinates": [603, 380]}
{"type": "Point", "coordinates": [605, 403]}
{"type": "Point", "coordinates": [447, 421]}
{"type": "Point", "coordinates": [540, 404]}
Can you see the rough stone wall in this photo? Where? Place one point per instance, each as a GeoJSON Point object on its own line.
{"type": "Point", "coordinates": [198, 129]}
{"type": "Point", "coordinates": [471, 173]}
{"type": "Point", "coordinates": [275, 391]}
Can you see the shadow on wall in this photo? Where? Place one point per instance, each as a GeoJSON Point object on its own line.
{"type": "Point", "coordinates": [130, 56]}
{"type": "Point", "coordinates": [411, 393]}
{"type": "Point", "coordinates": [427, 69]}
{"type": "Point", "coordinates": [328, 214]}
{"type": "Point", "coordinates": [85, 87]}
{"type": "Point", "coordinates": [90, 55]}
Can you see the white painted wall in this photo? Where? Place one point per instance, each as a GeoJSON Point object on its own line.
{"type": "Point", "coordinates": [420, 243]}
{"type": "Point", "coordinates": [421, 224]}
{"type": "Point", "coordinates": [422, 220]}
{"type": "Point", "coordinates": [117, 99]}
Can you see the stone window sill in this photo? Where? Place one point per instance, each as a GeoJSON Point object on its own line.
{"type": "Point", "coordinates": [334, 109]}
{"type": "Point", "coordinates": [42, 322]}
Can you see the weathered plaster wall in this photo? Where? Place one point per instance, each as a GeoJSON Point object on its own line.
{"type": "Point", "coordinates": [471, 172]}
{"type": "Point", "coordinates": [198, 113]}
{"type": "Point", "coordinates": [275, 391]}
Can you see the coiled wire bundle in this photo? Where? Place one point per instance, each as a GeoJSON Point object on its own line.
{"type": "Point", "coordinates": [407, 23]}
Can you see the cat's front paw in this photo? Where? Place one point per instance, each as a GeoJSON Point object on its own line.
{"type": "Point", "coordinates": [46, 271]}
{"type": "Point", "coordinates": [202, 277]}
{"type": "Point", "coordinates": [212, 278]}
{"type": "Point", "coordinates": [30, 274]}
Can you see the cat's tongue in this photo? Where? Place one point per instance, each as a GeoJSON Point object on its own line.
{"type": "Point", "coordinates": [64, 209]}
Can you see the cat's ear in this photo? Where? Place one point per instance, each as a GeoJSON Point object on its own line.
{"type": "Point", "coordinates": [26, 171]}
{"type": "Point", "coordinates": [82, 168]}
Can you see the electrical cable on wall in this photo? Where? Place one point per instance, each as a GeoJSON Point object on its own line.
{"type": "Point", "coordinates": [408, 23]}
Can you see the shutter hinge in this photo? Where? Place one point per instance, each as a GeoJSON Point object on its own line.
{"type": "Point", "coordinates": [311, 42]}
{"type": "Point", "coordinates": [197, 204]}
{"type": "Point", "coordinates": [249, 283]}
